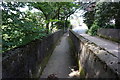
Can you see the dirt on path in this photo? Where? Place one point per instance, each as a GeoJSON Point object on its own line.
{"type": "Point", "coordinates": [60, 60]}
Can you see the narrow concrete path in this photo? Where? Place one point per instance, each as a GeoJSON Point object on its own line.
{"type": "Point", "coordinates": [60, 60]}
{"type": "Point", "coordinates": [112, 47]}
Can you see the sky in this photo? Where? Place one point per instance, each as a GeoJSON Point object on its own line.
{"type": "Point", "coordinates": [26, 8]}
{"type": "Point", "coordinates": [76, 19]}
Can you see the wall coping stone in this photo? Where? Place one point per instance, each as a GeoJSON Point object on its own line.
{"type": "Point", "coordinates": [105, 56]}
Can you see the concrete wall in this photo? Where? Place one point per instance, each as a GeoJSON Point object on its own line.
{"type": "Point", "coordinates": [94, 61]}
{"type": "Point", "coordinates": [25, 61]}
{"type": "Point", "coordinates": [113, 34]}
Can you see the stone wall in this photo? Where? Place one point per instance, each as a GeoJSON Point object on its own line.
{"type": "Point", "coordinates": [25, 61]}
{"type": "Point", "coordinates": [112, 34]}
{"type": "Point", "coordinates": [94, 61]}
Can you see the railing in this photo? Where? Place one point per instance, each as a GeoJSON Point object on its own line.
{"type": "Point", "coordinates": [94, 61]}
{"type": "Point", "coordinates": [25, 61]}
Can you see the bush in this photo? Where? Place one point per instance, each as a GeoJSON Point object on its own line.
{"type": "Point", "coordinates": [62, 24]}
{"type": "Point", "coordinates": [93, 29]}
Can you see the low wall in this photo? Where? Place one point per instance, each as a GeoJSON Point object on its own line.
{"type": "Point", "coordinates": [112, 34]}
{"type": "Point", "coordinates": [25, 61]}
{"type": "Point", "coordinates": [94, 61]}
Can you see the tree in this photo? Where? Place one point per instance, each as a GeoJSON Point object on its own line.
{"type": "Point", "coordinates": [59, 10]}
{"type": "Point", "coordinates": [104, 13]}
{"type": "Point", "coordinates": [107, 11]}
{"type": "Point", "coordinates": [19, 27]}
{"type": "Point", "coordinates": [10, 20]}
{"type": "Point", "coordinates": [48, 9]}
{"type": "Point", "coordinates": [89, 18]}
{"type": "Point", "coordinates": [68, 9]}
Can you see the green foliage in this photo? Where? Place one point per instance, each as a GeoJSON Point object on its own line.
{"type": "Point", "coordinates": [60, 24]}
{"type": "Point", "coordinates": [68, 23]}
{"type": "Point", "coordinates": [55, 11]}
{"type": "Point", "coordinates": [104, 13]}
{"type": "Point", "coordinates": [18, 27]}
{"type": "Point", "coordinates": [93, 29]}
{"type": "Point", "coordinates": [107, 11]}
{"type": "Point", "coordinates": [63, 24]}
{"type": "Point", "coordinates": [89, 18]}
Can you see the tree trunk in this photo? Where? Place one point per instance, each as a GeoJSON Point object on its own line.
{"type": "Point", "coordinates": [51, 26]}
{"type": "Point", "coordinates": [117, 23]}
{"type": "Point", "coordinates": [66, 22]}
{"type": "Point", "coordinates": [117, 18]}
{"type": "Point", "coordinates": [58, 13]}
{"type": "Point", "coordinates": [47, 27]}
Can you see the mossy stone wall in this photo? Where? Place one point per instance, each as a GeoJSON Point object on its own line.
{"type": "Point", "coordinates": [94, 61]}
{"type": "Point", "coordinates": [28, 61]}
